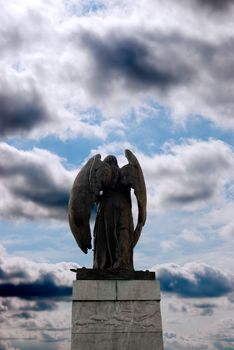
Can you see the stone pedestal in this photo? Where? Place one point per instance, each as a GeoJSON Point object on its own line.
{"type": "Point", "coordinates": [116, 315]}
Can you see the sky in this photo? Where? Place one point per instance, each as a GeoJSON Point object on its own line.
{"type": "Point", "coordinates": [85, 77]}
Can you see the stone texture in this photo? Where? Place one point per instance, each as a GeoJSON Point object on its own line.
{"type": "Point", "coordinates": [94, 290]}
{"type": "Point", "coordinates": [116, 314]}
{"type": "Point", "coordinates": [117, 341]}
{"type": "Point", "coordinates": [122, 316]}
{"type": "Point", "coordinates": [138, 290]}
{"type": "Point", "coordinates": [116, 290]}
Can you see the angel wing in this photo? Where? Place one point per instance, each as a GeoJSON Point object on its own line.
{"type": "Point", "coordinates": [132, 175]}
{"type": "Point", "coordinates": [85, 190]}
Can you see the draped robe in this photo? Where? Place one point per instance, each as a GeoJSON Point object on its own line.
{"type": "Point", "coordinates": [114, 229]}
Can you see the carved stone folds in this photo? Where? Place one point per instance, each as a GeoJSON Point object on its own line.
{"type": "Point", "coordinates": [116, 315]}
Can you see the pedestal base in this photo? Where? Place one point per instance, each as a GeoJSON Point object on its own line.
{"type": "Point", "coordinates": [116, 314]}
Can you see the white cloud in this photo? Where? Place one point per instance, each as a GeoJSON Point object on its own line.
{"type": "Point", "coordinates": [189, 322]}
{"type": "Point", "coordinates": [35, 301]}
{"type": "Point", "coordinates": [191, 236]}
{"type": "Point", "coordinates": [34, 184]}
{"type": "Point", "coordinates": [168, 245]}
{"type": "Point", "coordinates": [227, 232]}
{"type": "Point", "coordinates": [44, 319]}
{"type": "Point", "coordinates": [194, 280]}
{"type": "Point", "coordinates": [62, 60]}
{"type": "Point", "coordinates": [188, 176]}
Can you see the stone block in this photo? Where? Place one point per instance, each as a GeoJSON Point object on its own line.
{"type": "Point", "coordinates": [94, 290]}
{"type": "Point", "coordinates": [116, 315]}
{"type": "Point", "coordinates": [117, 341]}
{"type": "Point", "coordinates": [138, 290]}
{"type": "Point", "coordinates": [116, 290]}
{"type": "Point", "coordinates": [119, 316]}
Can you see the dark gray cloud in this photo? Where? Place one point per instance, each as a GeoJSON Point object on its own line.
{"type": "Point", "coordinates": [206, 309]}
{"type": "Point", "coordinates": [20, 112]}
{"type": "Point", "coordinates": [45, 196]}
{"type": "Point", "coordinates": [169, 335]}
{"type": "Point", "coordinates": [109, 58]}
{"type": "Point", "coordinates": [23, 315]}
{"type": "Point", "coordinates": [194, 281]}
{"type": "Point", "coordinates": [217, 5]}
{"type": "Point", "coordinates": [7, 346]}
{"type": "Point", "coordinates": [119, 57]}
{"type": "Point", "coordinates": [34, 306]}
{"type": "Point", "coordinates": [45, 288]}
{"type": "Point", "coordinates": [160, 63]}
{"type": "Point", "coordinates": [189, 175]}
{"type": "Point", "coordinates": [3, 346]}
{"type": "Point", "coordinates": [40, 305]}
{"type": "Point", "coordinates": [175, 308]}
{"type": "Point", "coordinates": [18, 273]}
{"type": "Point", "coordinates": [43, 284]}
{"type": "Point", "coordinates": [33, 179]}
{"type": "Point", "coordinates": [193, 196]}
{"type": "Point", "coordinates": [225, 344]}
{"type": "Point", "coordinates": [48, 338]}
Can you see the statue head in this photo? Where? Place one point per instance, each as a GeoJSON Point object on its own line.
{"type": "Point", "coordinates": [111, 160]}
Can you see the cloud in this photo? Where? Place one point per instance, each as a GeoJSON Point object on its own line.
{"type": "Point", "coordinates": [40, 305]}
{"type": "Point", "coordinates": [34, 184]}
{"type": "Point", "coordinates": [64, 78]}
{"type": "Point", "coordinates": [206, 309]}
{"type": "Point", "coordinates": [20, 112]}
{"type": "Point", "coordinates": [188, 175]}
{"type": "Point", "coordinates": [131, 61]}
{"type": "Point", "coordinates": [136, 63]}
{"type": "Point", "coordinates": [169, 335]}
{"type": "Point", "coordinates": [33, 83]}
{"type": "Point", "coordinates": [176, 308]}
{"type": "Point", "coordinates": [24, 315]}
{"type": "Point", "coordinates": [194, 280]}
{"type": "Point", "coordinates": [168, 245]}
{"type": "Point", "coordinates": [7, 346]}
{"type": "Point", "coordinates": [209, 331]}
{"type": "Point", "coordinates": [34, 307]}
{"type": "Point", "coordinates": [191, 236]}
{"type": "Point", "coordinates": [224, 344]}
{"type": "Point", "coordinates": [216, 5]}
{"type": "Point", "coordinates": [44, 287]}
{"type": "Point", "coordinates": [184, 345]}
{"type": "Point", "coordinates": [227, 232]}
{"type": "Point", "coordinates": [38, 282]}
{"type": "Point", "coordinates": [32, 321]}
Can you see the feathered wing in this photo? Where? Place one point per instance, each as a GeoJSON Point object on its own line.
{"type": "Point", "coordinates": [85, 190]}
{"type": "Point", "coordinates": [132, 175]}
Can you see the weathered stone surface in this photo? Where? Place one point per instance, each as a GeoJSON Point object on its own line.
{"type": "Point", "coordinates": [117, 341]}
{"type": "Point", "coordinates": [94, 290]}
{"type": "Point", "coordinates": [122, 316]}
{"type": "Point", "coordinates": [116, 290]}
{"type": "Point", "coordinates": [116, 315]}
{"type": "Point", "coordinates": [138, 290]}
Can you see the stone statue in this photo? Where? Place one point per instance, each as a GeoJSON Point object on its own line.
{"type": "Point", "coordinates": [107, 185]}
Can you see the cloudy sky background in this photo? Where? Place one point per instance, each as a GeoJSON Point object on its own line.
{"type": "Point", "coordinates": [80, 77]}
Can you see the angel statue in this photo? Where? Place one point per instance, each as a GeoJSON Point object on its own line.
{"type": "Point", "coordinates": [107, 185]}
